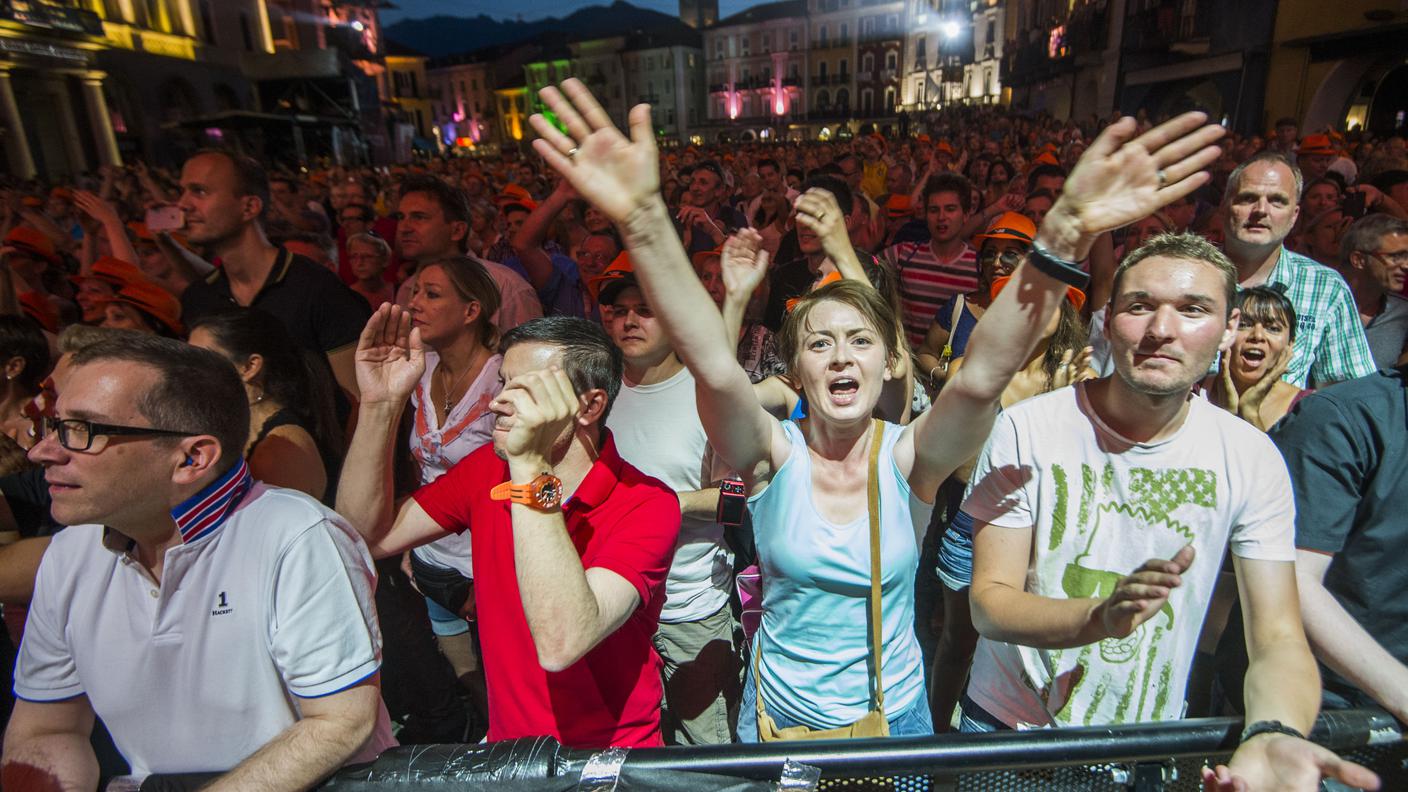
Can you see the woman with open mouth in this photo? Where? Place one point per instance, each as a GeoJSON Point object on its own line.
{"type": "Point", "coordinates": [840, 499]}
{"type": "Point", "coordinates": [1249, 383]}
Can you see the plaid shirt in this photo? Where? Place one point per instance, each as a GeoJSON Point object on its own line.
{"type": "Point", "coordinates": [1330, 345]}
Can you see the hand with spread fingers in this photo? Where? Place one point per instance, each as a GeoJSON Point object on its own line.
{"type": "Point", "coordinates": [537, 409]}
{"type": "Point", "coordinates": [1247, 404]}
{"type": "Point", "coordinates": [390, 357]}
{"type": "Point", "coordinates": [616, 174]}
{"type": "Point", "coordinates": [1282, 763]}
{"type": "Point", "coordinates": [1122, 178]}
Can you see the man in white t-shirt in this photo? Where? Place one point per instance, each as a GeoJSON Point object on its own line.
{"type": "Point", "coordinates": [214, 623]}
{"type": "Point", "coordinates": [656, 427]}
{"type": "Point", "coordinates": [1131, 472]}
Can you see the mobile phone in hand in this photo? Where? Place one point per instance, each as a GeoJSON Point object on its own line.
{"type": "Point", "coordinates": [165, 218]}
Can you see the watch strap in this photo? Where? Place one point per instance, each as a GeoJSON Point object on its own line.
{"type": "Point", "coordinates": [1269, 727]}
{"type": "Point", "coordinates": [1068, 272]}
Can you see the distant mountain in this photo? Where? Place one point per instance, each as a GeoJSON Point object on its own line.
{"type": "Point", "coordinates": [448, 35]}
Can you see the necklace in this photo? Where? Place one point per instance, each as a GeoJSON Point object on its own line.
{"type": "Point", "coordinates": [450, 391]}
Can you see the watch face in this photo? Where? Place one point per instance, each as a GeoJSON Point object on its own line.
{"type": "Point", "coordinates": [547, 491]}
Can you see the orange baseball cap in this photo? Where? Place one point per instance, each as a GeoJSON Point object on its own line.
{"type": "Point", "coordinates": [899, 206]}
{"type": "Point", "coordinates": [1316, 145]}
{"type": "Point", "coordinates": [923, 139]}
{"type": "Point", "coordinates": [113, 271]}
{"type": "Point", "coordinates": [37, 307]}
{"type": "Point", "coordinates": [1009, 225]}
{"type": "Point", "coordinates": [944, 147]}
{"type": "Point", "coordinates": [33, 243]}
{"type": "Point", "coordinates": [1046, 158]}
{"type": "Point", "coordinates": [619, 274]}
{"type": "Point", "coordinates": [512, 193]}
{"type": "Point", "coordinates": [155, 301]}
{"type": "Point", "coordinates": [704, 255]}
{"type": "Point", "coordinates": [1076, 296]}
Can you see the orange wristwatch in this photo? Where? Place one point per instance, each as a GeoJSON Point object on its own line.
{"type": "Point", "coordinates": [543, 493]}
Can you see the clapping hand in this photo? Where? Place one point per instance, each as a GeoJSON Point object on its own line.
{"type": "Point", "coordinates": [390, 356]}
{"type": "Point", "coordinates": [817, 211]}
{"type": "Point", "coordinates": [743, 265]}
{"type": "Point", "coordinates": [614, 173]}
{"type": "Point", "coordinates": [1144, 593]}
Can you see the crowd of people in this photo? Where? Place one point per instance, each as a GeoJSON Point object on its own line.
{"type": "Point", "coordinates": [636, 447]}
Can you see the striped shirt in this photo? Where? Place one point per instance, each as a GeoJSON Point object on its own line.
{"type": "Point", "coordinates": [1330, 344]}
{"type": "Point", "coordinates": [926, 282]}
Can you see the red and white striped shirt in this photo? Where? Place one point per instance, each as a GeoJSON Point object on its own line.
{"type": "Point", "coordinates": [926, 282]}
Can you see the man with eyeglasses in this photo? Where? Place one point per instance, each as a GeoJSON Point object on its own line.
{"type": "Point", "coordinates": [215, 624]}
{"type": "Point", "coordinates": [1374, 260]}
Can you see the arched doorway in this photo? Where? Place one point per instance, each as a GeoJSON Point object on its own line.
{"type": "Point", "coordinates": [1388, 112]}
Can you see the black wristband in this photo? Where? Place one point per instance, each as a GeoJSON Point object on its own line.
{"type": "Point", "coordinates": [1068, 272]}
{"type": "Point", "coordinates": [1269, 727]}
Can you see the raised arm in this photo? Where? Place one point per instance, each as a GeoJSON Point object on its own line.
{"type": "Point", "coordinates": [528, 242]}
{"type": "Point", "coordinates": [1119, 179]}
{"type": "Point", "coordinates": [620, 176]}
{"type": "Point", "coordinates": [390, 361]}
{"type": "Point", "coordinates": [106, 215]}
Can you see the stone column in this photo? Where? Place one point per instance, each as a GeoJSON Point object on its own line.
{"type": "Point", "coordinates": [63, 106]}
{"type": "Point", "coordinates": [17, 152]}
{"type": "Point", "coordinates": [100, 119]}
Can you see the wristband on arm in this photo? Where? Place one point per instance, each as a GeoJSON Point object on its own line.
{"type": "Point", "coordinates": [1068, 272]}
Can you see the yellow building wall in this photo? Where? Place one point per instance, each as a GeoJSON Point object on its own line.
{"type": "Point", "coordinates": [1292, 79]}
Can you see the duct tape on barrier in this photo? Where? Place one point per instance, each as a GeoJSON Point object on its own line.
{"type": "Point", "coordinates": [798, 777]}
{"type": "Point", "coordinates": [602, 771]}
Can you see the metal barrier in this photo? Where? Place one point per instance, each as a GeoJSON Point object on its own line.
{"type": "Point", "coordinates": [1145, 757]}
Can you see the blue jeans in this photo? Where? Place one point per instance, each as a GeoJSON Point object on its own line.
{"type": "Point", "coordinates": [913, 722]}
{"type": "Point", "coordinates": [973, 719]}
{"type": "Point", "coordinates": [444, 623]}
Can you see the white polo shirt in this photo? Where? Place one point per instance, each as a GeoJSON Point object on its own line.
{"type": "Point", "coordinates": [268, 599]}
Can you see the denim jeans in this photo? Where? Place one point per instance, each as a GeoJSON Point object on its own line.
{"type": "Point", "coordinates": [973, 719]}
{"type": "Point", "coordinates": [913, 722]}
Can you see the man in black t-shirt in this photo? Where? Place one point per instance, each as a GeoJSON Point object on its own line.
{"type": "Point", "coordinates": [1347, 450]}
{"type": "Point", "coordinates": [224, 198]}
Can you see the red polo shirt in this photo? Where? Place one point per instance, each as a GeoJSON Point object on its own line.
{"type": "Point", "coordinates": [619, 519]}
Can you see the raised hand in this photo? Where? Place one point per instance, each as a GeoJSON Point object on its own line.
{"type": "Point", "coordinates": [1284, 763]}
{"type": "Point", "coordinates": [1074, 367]}
{"type": "Point", "coordinates": [390, 357]}
{"type": "Point", "coordinates": [743, 265]}
{"type": "Point", "coordinates": [1122, 178]}
{"type": "Point", "coordinates": [817, 211]}
{"type": "Point", "coordinates": [98, 209]}
{"type": "Point", "coordinates": [1248, 406]}
{"type": "Point", "coordinates": [1142, 594]}
{"type": "Point", "coordinates": [614, 173]}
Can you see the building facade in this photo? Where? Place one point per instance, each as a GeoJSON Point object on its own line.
{"type": "Point", "coordinates": [665, 69]}
{"type": "Point", "coordinates": [755, 65]}
{"type": "Point", "coordinates": [406, 105]}
{"type": "Point", "coordinates": [938, 45]}
{"type": "Point", "coordinates": [982, 78]}
{"type": "Point", "coordinates": [880, 56]}
{"type": "Point", "coordinates": [1350, 65]}
{"type": "Point", "coordinates": [1063, 56]}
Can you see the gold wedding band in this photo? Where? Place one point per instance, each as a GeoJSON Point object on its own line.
{"type": "Point", "coordinates": [1163, 177]}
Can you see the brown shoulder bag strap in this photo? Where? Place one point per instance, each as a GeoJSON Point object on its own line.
{"type": "Point", "coordinates": [873, 496]}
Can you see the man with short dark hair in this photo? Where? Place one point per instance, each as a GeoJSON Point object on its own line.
{"type": "Point", "coordinates": [1047, 177]}
{"type": "Point", "coordinates": [1374, 260]}
{"type": "Point", "coordinates": [571, 544]}
{"type": "Point", "coordinates": [1079, 486]}
{"type": "Point", "coordinates": [224, 199]}
{"type": "Point", "coordinates": [1260, 206]}
{"type": "Point", "coordinates": [772, 182]}
{"type": "Point", "coordinates": [434, 224]}
{"type": "Point", "coordinates": [215, 624]}
{"type": "Point", "coordinates": [933, 271]}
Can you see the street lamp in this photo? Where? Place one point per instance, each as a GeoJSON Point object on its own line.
{"type": "Point", "coordinates": [950, 30]}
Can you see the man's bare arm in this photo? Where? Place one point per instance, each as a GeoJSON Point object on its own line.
{"type": "Point", "coordinates": [47, 747]}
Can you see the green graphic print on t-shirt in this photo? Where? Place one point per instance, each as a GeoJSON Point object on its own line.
{"type": "Point", "coordinates": [1141, 664]}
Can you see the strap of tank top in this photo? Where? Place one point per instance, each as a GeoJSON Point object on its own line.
{"type": "Point", "coordinates": [873, 498]}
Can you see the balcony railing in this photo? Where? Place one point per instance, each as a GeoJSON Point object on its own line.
{"type": "Point", "coordinates": [1169, 23]}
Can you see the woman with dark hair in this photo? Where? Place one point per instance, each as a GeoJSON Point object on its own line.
{"type": "Point", "coordinates": [294, 437]}
{"type": "Point", "coordinates": [24, 356]}
{"type": "Point", "coordinates": [1249, 383]}
{"type": "Point", "coordinates": [451, 305]}
{"type": "Point", "coordinates": [999, 181]}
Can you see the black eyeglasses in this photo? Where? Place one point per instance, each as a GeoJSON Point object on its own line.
{"type": "Point", "coordinates": [1010, 258]}
{"type": "Point", "coordinates": [76, 434]}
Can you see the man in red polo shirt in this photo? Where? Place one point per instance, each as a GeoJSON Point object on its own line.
{"type": "Point", "coordinates": [570, 544]}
